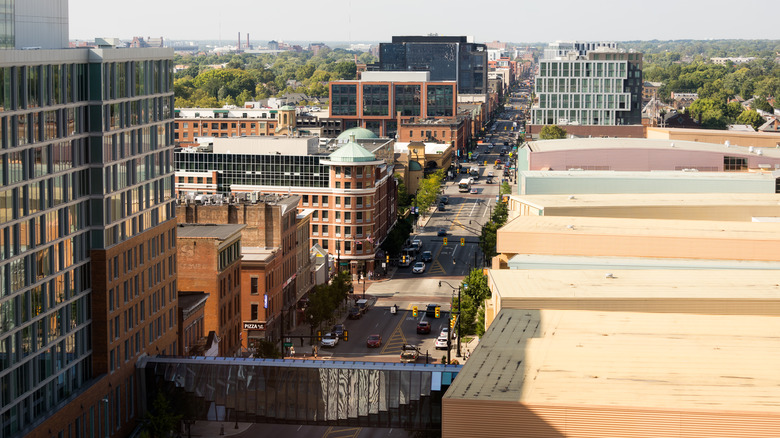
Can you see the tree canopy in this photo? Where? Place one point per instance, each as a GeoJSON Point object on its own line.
{"type": "Point", "coordinates": [552, 132]}
{"type": "Point", "coordinates": [216, 80]}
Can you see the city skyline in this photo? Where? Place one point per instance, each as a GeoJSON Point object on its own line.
{"type": "Point", "coordinates": [353, 21]}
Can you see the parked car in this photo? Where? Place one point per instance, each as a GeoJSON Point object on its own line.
{"type": "Point", "coordinates": [442, 207]}
{"type": "Point", "coordinates": [409, 353]}
{"type": "Point", "coordinates": [445, 200]}
{"type": "Point", "coordinates": [338, 330]}
{"type": "Point", "coordinates": [374, 341]}
{"type": "Point", "coordinates": [423, 328]}
{"type": "Point", "coordinates": [441, 232]}
{"type": "Point", "coordinates": [418, 268]}
{"type": "Point", "coordinates": [441, 343]}
{"type": "Point", "coordinates": [329, 340]}
{"type": "Point", "coordinates": [426, 256]}
{"type": "Point", "coordinates": [355, 313]}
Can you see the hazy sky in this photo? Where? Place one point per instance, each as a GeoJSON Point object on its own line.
{"type": "Point", "coordinates": [379, 20]}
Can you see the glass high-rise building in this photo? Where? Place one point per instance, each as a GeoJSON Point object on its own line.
{"type": "Point", "coordinates": [588, 84]}
{"type": "Point", "coordinates": [87, 237]}
{"type": "Point", "coordinates": [447, 58]}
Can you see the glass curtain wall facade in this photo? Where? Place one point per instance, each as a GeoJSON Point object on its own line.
{"type": "Point", "coordinates": [310, 392]}
{"type": "Point", "coordinates": [343, 99]}
{"type": "Point", "coordinates": [256, 170]}
{"type": "Point", "coordinates": [446, 58]}
{"type": "Point", "coordinates": [589, 91]}
{"type": "Point", "coordinates": [7, 32]}
{"type": "Point", "coordinates": [71, 179]}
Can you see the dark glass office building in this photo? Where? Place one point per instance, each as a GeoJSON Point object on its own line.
{"type": "Point", "coordinates": [448, 58]}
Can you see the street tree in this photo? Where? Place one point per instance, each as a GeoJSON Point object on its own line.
{"type": "Point", "coordinates": [552, 132]}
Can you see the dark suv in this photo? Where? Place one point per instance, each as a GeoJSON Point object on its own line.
{"type": "Point", "coordinates": [355, 313]}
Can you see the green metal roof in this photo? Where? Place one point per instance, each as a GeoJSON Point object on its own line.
{"type": "Point", "coordinates": [413, 165]}
{"type": "Point", "coordinates": [221, 111]}
{"type": "Point", "coordinates": [351, 153]}
{"type": "Point", "coordinates": [287, 108]}
{"type": "Point", "coordinates": [358, 133]}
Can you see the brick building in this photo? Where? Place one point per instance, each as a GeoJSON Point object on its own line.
{"type": "Point", "coordinates": [352, 193]}
{"type": "Point", "coordinates": [191, 323]}
{"type": "Point", "coordinates": [209, 258]}
{"type": "Point", "coordinates": [191, 123]}
{"type": "Point", "coordinates": [377, 100]}
{"type": "Point", "coordinates": [274, 276]}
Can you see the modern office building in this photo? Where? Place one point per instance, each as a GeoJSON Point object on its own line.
{"type": "Point", "coordinates": [601, 87]}
{"type": "Point", "coordinates": [447, 58]}
{"type": "Point", "coordinates": [376, 100]}
{"type": "Point", "coordinates": [33, 24]}
{"type": "Point", "coordinates": [87, 269]}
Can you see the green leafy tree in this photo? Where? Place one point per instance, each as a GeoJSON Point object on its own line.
{"type": "Point", "coordinates": [396, 238]}
{"type": "Point", "coordinates": [752, 118]}
{"type": "Point", "coordinates": [552, 132]}
{"type": "Point", "coordinates": [429, 190]}
{"type": "Point", "coordinates": [266, 349]}
{"type": "Point", "coordinates": [760, 103]}
{"type": "Point", "coordinates": [161, 420]}
{"type": "Point", "coordinates": [404, 200]}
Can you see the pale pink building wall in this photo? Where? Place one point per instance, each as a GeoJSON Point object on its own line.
{"type": "Point", "coordinates": [638, 160]}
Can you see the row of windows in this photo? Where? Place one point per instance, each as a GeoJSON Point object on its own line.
{"type": "Point", "coordinates": [270, 170]}
{"type": "Point", "coordinates": [40, 161]}
{"type": "Point", "coordinates": [33, 86]}
{"type": "Point", "coordinates": [583, 117]}
{"type": "Point", "coordinates": [578, 85]}
{"type": "Point", "coordinates": [376, 100]}
{"type": "Point", "coordinates": [348, 247]}
{"type": "Point", "coordinates": [59, 386]}
{"type": "Point", "coordinates": [137, 141]}
{"type": "Point", "coordinates": [137, 112]}
{"type": "Point", "coordinates": [229, 255]}
{"type": "Point", "coordinates": [585, 101]}
{"type": "Point", "coordinates": [583, 69]}
{"type": "Point", "coordinates": [224, 125]}
{"type": "Point", "coordinates": [130, 227]}
{"type": "Point", "coordinates": [40, 126]}
{"type": "Point", "coordinates": [41, 195]}
{"type": "Point", "coordinates": [137, 78]}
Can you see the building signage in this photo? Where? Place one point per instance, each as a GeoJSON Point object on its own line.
{"type": "Point", "coordinates": [254, 325]}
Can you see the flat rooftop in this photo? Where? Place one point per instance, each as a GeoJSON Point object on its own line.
{"type": "Point", "coordinates": [625, 359]}
{"type": "Point", "coordinates": [644, 143]}
{"type": "Point", "coordinates": [257, 254]}
{"type": "Point", "coordinates": [607, 264]}
{"type": "Point", "coordinates": [208, 231]}
{"type": "Point", "coordinates": [636, 283]}
{"type": "Point", "coordinates": [650, 199]}
{"type": "Point", "coordinates": [600, 226]}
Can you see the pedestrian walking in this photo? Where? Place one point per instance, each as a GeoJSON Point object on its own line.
{"type": "Point", "coordinates": [292, 351]}
{"type": "Point", "coordinates": [314, 351]}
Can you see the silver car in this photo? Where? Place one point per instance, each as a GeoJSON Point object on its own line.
{"type": "Point", "coordinates": [329, 340]}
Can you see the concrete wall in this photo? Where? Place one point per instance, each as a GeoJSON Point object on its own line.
{"type": "Point", "coordinates": [757, 139]}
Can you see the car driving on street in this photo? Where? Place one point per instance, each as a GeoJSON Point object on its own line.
{"type": "Point", "coordinates": [441, 343]}
{"type": "Point", "coordinates": [374, 341]}
{"type": "Point", "coordinates": [423, 328]}
{"type": "Point", "coordinates": [418, 268]}
{"type": "Point", "coordinates": [409, 353]}
{"type": "Point", "coordinates": [441, 232]}
{"type": "Point", "coordinates": [329, 340]}
{"type": "Point", "coordinates": [426, 256]}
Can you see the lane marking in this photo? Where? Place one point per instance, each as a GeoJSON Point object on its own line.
{"type": "Point", "coordinates": [397, 332]}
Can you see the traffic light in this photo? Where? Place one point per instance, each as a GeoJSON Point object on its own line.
{"type": "Point", "coordinates": [462, 241]}
{"type": "Point", "coordinates": [414, 311]}
{"type": "Point", "coordinates": [388, 259]}
{"type": "Point", "coordinates": [445, 240]}
{"type": "Point", "coordinates": [319, 335]}
{"type": "Point", "coordinates": [346, 333]}
{"type": "Point", "coordinates": [437, 313]}
{"type": "Point", "coordinates": [403, 259]}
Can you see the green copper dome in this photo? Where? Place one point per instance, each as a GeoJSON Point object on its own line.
{"type": "Point", "coordinates": [358, 133]}
{"type": "Point", "coordinates": [287, 108]}
{"type": "Point", "coordinates": [351, 153]}
{"type": "Point", "coordinates": [413, 165]}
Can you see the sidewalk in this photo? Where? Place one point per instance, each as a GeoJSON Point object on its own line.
{"type": "Point", "coordinates": [217, 428]}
